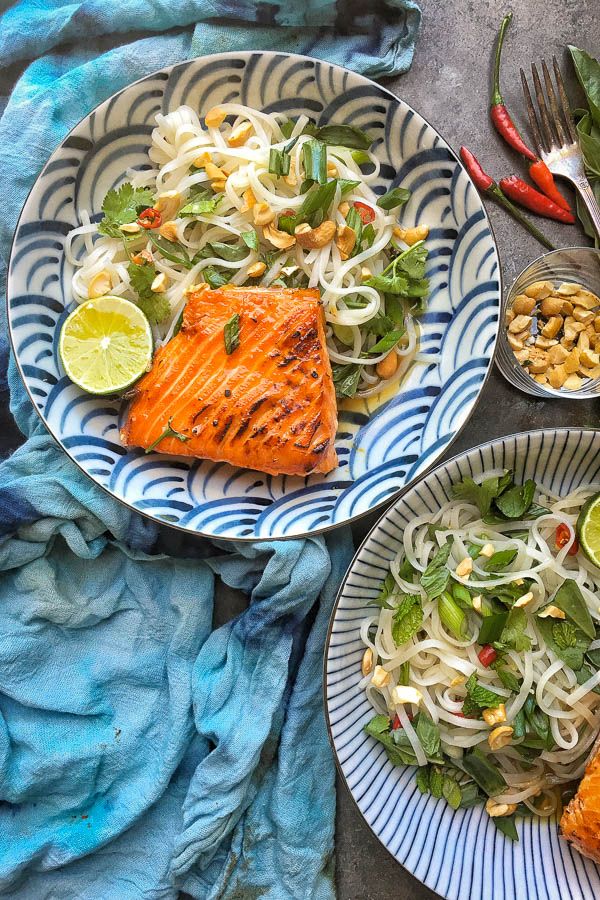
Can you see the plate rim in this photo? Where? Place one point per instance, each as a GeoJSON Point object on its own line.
{"type": "Point", "coordinates": [385, 514]}
{"type": "Point", "coordinates": [388, 501]}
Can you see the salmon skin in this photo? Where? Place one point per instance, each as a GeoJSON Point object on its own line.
{"type": "Point", "coordinates": [580, 822]}
{"type": "Point", "coordinates": [267, 405]}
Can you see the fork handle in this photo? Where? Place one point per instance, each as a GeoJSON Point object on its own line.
{"type": "Point", "coordinates": [586, 193]}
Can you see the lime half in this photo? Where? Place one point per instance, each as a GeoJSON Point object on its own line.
{"type": "Point", "coordinates": [105, 345]}
{"type": "Point", "coordinates": [588, 529]}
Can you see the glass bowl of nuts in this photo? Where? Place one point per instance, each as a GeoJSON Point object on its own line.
{"type": "Point", "coordinates": [550, 343]}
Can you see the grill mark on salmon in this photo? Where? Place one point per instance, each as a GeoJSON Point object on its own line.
{"type": "Point", "coordinates": [270, 405]}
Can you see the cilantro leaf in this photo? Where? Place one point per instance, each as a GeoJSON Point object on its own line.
{"type": "Point", "coordinates": [155, 306]}
{"type": "Point", "coordinates": [482, 495]}
{"type": "Point", "coordinates": [120, 207]}
{"type": "Point", "coordinates": [435, 577]}
{"type": "Point", "coordinates": [407, 618]}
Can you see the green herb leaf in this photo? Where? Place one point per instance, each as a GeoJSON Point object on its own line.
{"type": "Point", "coordinates": [407, 572]}
{"type": "Point", "coordinates": [452, 792]}
{"type": "Point", "coordinates": [346, 185]}
{"type": "Point", "coordinates": [379, 728]}
{"type": "Point", "coordinates": [500, 560]}
{"type": "Point", "coordinates": [354, 221]}
{"type": "Point", "coordinates": [201, 203]}
{"type": "Point", "coordinates": [167, 251]}
{"type": "Point", "coordinates": [155, 306]}
{"type": "Point", "coordinates": [508, 678]}
{"type": "Point", "coordinates": [429, 735]}
{"type": "Point", "coordinates": [169, 432]}
{"type": "Point", "coordinates": [470, 795]}
{"type": "Point", "coordinates": [588, 73]}
{"type": "Point", "coordinates": [317, 201]}
{"type": "Point", "coordinates": [407, 619]}
{"type": "Point", "coordinates": [388, 588]}
{"type": "Point", "coordinates": [120, 207]}
{"type": "Point", "coordinates": [451, 616]}
{"type": "Point", "coordinates": [346, 379]}
{"type": "Point", "coordinates": [513, 634]}
{"type": "Point", "coordinates": [506, 824]}
{"type": "Point", "coordinates": [482, 495]}
{"type": "Point", "coordinates": [388, 341]}
{"type": "Point", "coordinates": [279, 162]}
{"type": "Point", "coordinates": [484, 772]}
{"type": "Point", "coordinates": [231, 333]}
{"type": "Point", "coordinates": [360, 157]}
{"type": "Point", "coordinates": [344, 136]}
{"type": "Point", "coordinates": [436, 782]}
{"type": "Point", "coordinates": [314, 158]}
{"type": "Point", "coordinates": [422, 779]}
{"type": "Point", "coordinates": [565, 639]}
{"type": "Point", "coordinates": [570, 599]}
{"type": "Point", "coordinates": [515, 502]}
{"type": "Point", "coordinates": [492, 628]}
{"type": "Point", "coordinates": [250, 238]}
{"type": "Point", "coordinates": [368, 236]}
{"type": "Point", "coordinates": [228, 252]}
{"type": "Point", "coordinates": [435, 577]}
{"type": "Point", "coordinates": [216, 278]}
{"type": "Point", "coordinates": [398, 196]}
{"type": "Point", "coordinates": [481, 695]}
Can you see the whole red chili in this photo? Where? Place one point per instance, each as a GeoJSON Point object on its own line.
{"type": "Point", "coordinates": [521, 192]}
{"type": "Point", "coordinates": [487, 655]}
{"type": "Point", "coordinates": [506, 128]}
{"type": "Point", "coordinates": [365, 212]}
{"type": "Point", "coordinates": [488, 186]}
{"type": "Point", "coordinates": [500, 116]}
{"type": "Point", "coordinates": [563, 536]}
{"type": "Point", "coordinates": [150, 218]}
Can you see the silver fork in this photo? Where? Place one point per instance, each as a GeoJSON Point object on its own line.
{"type": "Point", "coordinates": [556, 136]}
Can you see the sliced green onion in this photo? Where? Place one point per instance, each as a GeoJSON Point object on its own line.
{"type": "Point", "coordinates": [279, 162]}
{"type": "Point", "coordinates": [451, 615]}
{"type": "Point", "coordinates": [314, 157]}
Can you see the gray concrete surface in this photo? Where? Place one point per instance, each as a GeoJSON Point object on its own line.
{"type": "Point", "coordinates": [449, 84]}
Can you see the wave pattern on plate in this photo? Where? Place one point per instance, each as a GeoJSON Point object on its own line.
{"type": "Point", "coordinates": [460, 855]}
{"type": "Point", "coordinates": [378, 455]}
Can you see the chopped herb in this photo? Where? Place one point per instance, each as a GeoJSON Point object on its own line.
{"type": "Point", "coordinates": [422, 779]}
{"type": "Point", "coordinates": [396, 197]}
{"type": "Point", "coordinates": [165, 248]}
{"type": "Point", "coordinates": [169, 432]}
{"type": "Point", "coordinates": [155, 306]}
{"type": "Point", "coordinates": [451, 615]}
{"type": "Point", "coordinates": [354, 221]}
{"type": "Point", "coordinates": [407, 619]}
{"type": "Point", "coordinates": [120, 207]}
{"type": "Point", "coordinates": [216, 278]}
{"type": "Point", "coordinates": [429, 735]}
{"type": "Point", "coordinates": [228, 252]}
{"type": "Point", "coordinates": [508, 678]}
{"type": "Point", "coordinates": [482, 495]}
{"type": "Point", "coordinates": [388, 341]}
{"type": "Point", "coordinates": [435, 577]}
{"type": "Point", "coordinates": [513, 635]}
{"type": "Point", "coordinates": [500, 560]}
{"type": "Point", "coordinates": [317, 202]}
{"type": "Point", "coordinates": [250, 238]}
{"type": "Point", "coordinates": [484, 772]}
{"type": "Point", "coordinates": [570, 599]}
{"type": "Point", "coordinates": [491, 628]}
{"type": "Point", "coordinates": [482, 696]}
{"type": "Point", "coordinates": [368, 236]}
{"type": "Point", "coordinates": [343, 136]}
{"type": "Point", "coordinates": [346, 379]}
{"type": "Point", "coordinates": [506, 824]}
{"type": "Point", "coordinates": [360, 157]}
{"type": "Point", "coordinates": [346, 185]}
{"type": "Point", "coordinates": [515, 502]}
{"type": "Point", "coordinates": [388, 588]}
{"type": "Point", "coordinates": [202, 203]}
{"type": "Point", "coordinates": [279, 162]}
{"type": "Point", "coordinates": [405, 274]}
{"type": "Point", "coordinates": [231, 333]}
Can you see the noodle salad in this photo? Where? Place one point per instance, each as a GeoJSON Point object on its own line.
{"type": "Point", "coordinates": [483, 661]}
{"type": "Point", "coordinates": [255, 198]}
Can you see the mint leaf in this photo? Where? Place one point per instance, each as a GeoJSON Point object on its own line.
{"type": "Point", "coordinates": [570, 599]}
{"type": "Point", "coordinates": [388, 588]}
{"type": "Point", "coordinates": [481, 495]}
{"type": "Point", "coordinates": [435, 577]}
{"type": "Point", "coordinates": [500, 560]}
{"type": "Point", "coordinates": [407, 619]}
{"type": "Point", "coordinates": [513, 634]}
{"type": "Point", "coordinates": [429, 735]}
{"type": "Point", "coordinates": [482, 696]}
{"type": "Point", "coordinates": [250, 238]}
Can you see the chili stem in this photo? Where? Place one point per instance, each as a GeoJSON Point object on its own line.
{"type": "Point", "coordinates": [497, 96]}
{"type": "Point", "coordinates": [512, 210]}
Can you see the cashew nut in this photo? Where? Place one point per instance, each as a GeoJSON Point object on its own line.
{"type": "Point", "coordinates": [240, 134]}
{"type": "Point", "coordinates": [495, 809]}
{"type": "Point", "coordinates": [345, 240]}
{"type": "Point", "coordinates": [99, 285]}
{"type": "Point", "coordinates": [256, 269]}
{"type": "Point", "coordinates": [280, 239]}
{"type": "Point", "coordinates": [168, 204]}
{"type": "Point", "coordinates": [159, 285]}
{"type": "Point", "coordinates": [500, 737]}
{"type": "Point", "coordinates": [263, 214]}
{"type": "Point", "coordinates": [386, 367]}
{"type": "Point", "coordinates": [168, 230]}
{"type": "Point", "coordinates": [494, 715]}
{"type": "Point", "coordinates": [315, 238]}
{"type": "Point", "coordinates": [367, 662]}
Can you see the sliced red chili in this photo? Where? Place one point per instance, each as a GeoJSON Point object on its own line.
{"type": "Point", "coordinates": [150, 218]}
{"type": "Point", "coordinates": [460, 715]}
{"type": "Point", "coordinates": [563, 536]}
{"type": "Point", "coordinates": [487, 655]}
{"type": "Point", "coordinates": [365, 212]}
{"type": "Point", "coordinates": [398, 724]}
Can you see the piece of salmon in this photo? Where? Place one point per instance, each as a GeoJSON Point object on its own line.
{"type": "Point", "coordinates": [268, 405]}
{"type": "Point", "coordinates": [580, 823]}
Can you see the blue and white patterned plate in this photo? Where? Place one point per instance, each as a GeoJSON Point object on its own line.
{"type": "Point", "coordinates": [461, 855]}
{"type": "Point", "coordinates": [380, 450]}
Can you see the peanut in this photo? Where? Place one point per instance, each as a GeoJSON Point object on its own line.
{"type": "Point", "coordinates": [345, 240]}
{"type": "Point", "coordinates": [240, 134]}
{"type": "Point", "coordinates": [386, 367]}
{"type": "Point", "coordinates": [262, 213]}
{"type": "Point", "coordinates": [214, 117]}
{"type": "Point", "coordinates": [551, 306]}
{"type": "Point", "coordinates": [99, 285]}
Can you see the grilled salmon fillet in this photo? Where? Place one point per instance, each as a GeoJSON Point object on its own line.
{"type": "Point", "coordinates": [580, 821]}
{"type": "Point", "coordinates": [267, 405]}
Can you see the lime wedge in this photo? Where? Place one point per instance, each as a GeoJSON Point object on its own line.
{"type": "Point", "coordinates": [105, 345]}
{"type": "Point", "coordinates": [588, 529]}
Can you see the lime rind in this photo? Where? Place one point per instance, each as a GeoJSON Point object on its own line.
{"type": "Point", "coordinates": [106, 345]}
{"type": "Point", "coordinates": [588, 529]}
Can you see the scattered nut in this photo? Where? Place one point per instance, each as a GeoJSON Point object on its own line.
{"type": "Point", "coordinates": [538, 361]}
{"type": "Point", "coordinates": [159, 285]}
{"type": "Point", "coordinates": [460, 679]}
{"type": "Point", "coordinates": [410, 236]}
{"type": "Point", "coordinates": [568, 289]}
{"type": "Point", "coordinates": [557, 376]}
{"type": "Point", "coordinates": [525, 599]}
{"type": "Point", "coordinates": [214, 172]}
{"type": "Point", "coordinates": [401, 694]}
{"type": "Point", "coordinates": [201, 160]}
{"type": "Point", "coordinates": [545, 343]}
{"type": "Point", "coordinates": [168, 204]}
{"type": "Point", "coordinates": [583, 316]}
{"type": "Point", "coordinates": [256, 269]}
{"type": "Point", "coordinates": [387, 366]}
{"type": "Point", "coordinates": [214, 117]}
{"type": "Point", "coordinates": [168, 230]}
{"type": "Point", "coordinates": [487, 550]}
{"type": "Point", "coordinates": [380, 678]}
{"type": "Point", "coordinates": [523, 305]}
{"type": "Point", "coordinates": [514, 342]}
{"type": "Point", "coordinates": [477, 603]}
{"type": "Point", "coordinates": [520, 323]}
{"type": "Point", "coordinates": [331, 169]}
{"type": "Point", "coordinates": [99, 285]}
{"type": "Point", "coordinates": [365, 273]}
{"type": "Point", "coordinates": [280, 239]}
{"type": "Point", "coordinates": [500, 737]}
{"type": "Point", "coordinates": [367, 662]}
{"type": "Point", "coordinates": [344, 208]}
{"type": "Point", "coordinates": [551, 306]}
{"type": "Point", "coordinates": [130, 228]}
{"type": "Point", "coordinates": [249, 200]}
{"type": "Point", "coordinates": [588, 358]}
{"type": "Point", "coordinates": [465, 567]}
{"type": "Point", "coordinates": [315, 238]}
{"type": "Point", "coordinates": [262, 213]}
{"type": "Point", "coordinates": [571, 363]}
{"type": "Point", "coordinates": [495, 715]}
{"type": "Point", "coordinates": [345, 240]}
{"type": "Point", "coordinates": [552, 326]}
{"type": "Point", "coordinates": [551, 612]}
{"type": "Point", "coordinates": [496, 810]}
{"type": "Point", "coordinates": [541, 379]}
{"type": "Point", "coordinates": [539, 290]}
{"type": "Point", "coordinates": [290, 178]}
{"type": "Point", "coordinates": [573, 382]}
{"type": "Point", "coordinates": [585, 299]}
{"type": "Point", "coordinates": [240, 134]}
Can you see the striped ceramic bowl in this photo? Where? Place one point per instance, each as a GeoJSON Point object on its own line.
{"type": "Point", "coordinates": [461, 855]}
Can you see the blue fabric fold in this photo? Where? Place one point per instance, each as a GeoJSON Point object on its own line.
{"type": "Point", "coordinates": [141, 751]}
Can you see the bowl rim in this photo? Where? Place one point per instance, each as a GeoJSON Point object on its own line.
{"type": "Point", "coordinates": [386, 513]}
{"type": "Point", "coordinates": [506, 367]}
{"type": "Point", "coordinates": [387, 501]}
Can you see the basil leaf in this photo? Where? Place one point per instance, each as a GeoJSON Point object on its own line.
{"type": "Point", "coordinates": [407, 572]}
{"type": "Point", "coordinates": [588, 73]}
{"type": "Point", "coordinates": [360, 157]}
{"type": "Point", "coordinates": [398, 196]}
{"type": "Point", "coordinates": [422, 779]}
{"type": "Point", "coordinates": [513, 634]}
{"type": "Point", "coordinates": [491, 628]}
{"type": "Point", "coordinates": [429, 735]}
{"type": "Point", "coordinates": [250, 238]}
{"type": "Point", "coordinates": [435, 577]}
{"type": "Point", "coordinates": [317, 200]}
{"type": "Point", "coordinates": [379, 728]}
{"type": "Point", "coordinates": [387, 341]}
{"type": "Point", "coordinates": [166, 250]}
{"type": "Point", "coordinates": [368, 236]}
{"type": "Point", "coordinates": [539, 724]}
{"type": "Point", "coordinates": [508, 678]}
{"type": "Point", "coordinates": [346, 379]}
{"type": "Point", "coordinates": [484, 772]}
{"type": "Point", "coordinates": [229, 252]}
{"type": "Point", "coordinates": [314, 158]}
{"type": "Point", "coordinates": [500, 560]}
{"type": "Point", "coordinates": [570, 599]}
{"type": "Point", "coordinates": [481, 695]}
{"type": "Point", "coordinates": [436, 782]}
{"type": "Point", "coordinates": [407, 619]}
{"type": "Point", "coordinates": [388, 588]}
{"type": "Point", "coordinates": [452, 792]}
{"type": "Point", "coordinates": [470, 795]}
{"type": "Point", "coordinates": [515, 502]}
{"type": "Point", "coordinates": [216, 278]}
{"type": "Point", "coordinates": [344, 136]}
{"type": "Point", "coordinates": [583, 674]}
{"type": "Point", "coordinates": [231, 334]}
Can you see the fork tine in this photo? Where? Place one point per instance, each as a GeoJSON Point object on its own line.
{"type": "Point", "coordinates": [558, 125]}
{"type": "Point", "coordinates": [546, 130]}
{"type": "Point", "coordinates": [535, 128]}
{"type": "Point", "coordinates": [564, 101]}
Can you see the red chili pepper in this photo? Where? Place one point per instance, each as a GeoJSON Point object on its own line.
{"type": "Point", "coordinates": [397, 723]}
{"type": "Point", "coordinates": [460, 715]}
{"type": "Point", "coordinates": [500, 116]}
{"type": "Point", "coordinates": [563, 536]}
{"type": "Point", "coordinates": [539, 171]}
{"type": "Point", "coordinates": [488, 186]}
{"type": "Point", "coordinates": [487, 655]}
{"type": "Point", "coordinates": [365, 212]}
{"type": "Point", "coordinates": [542, 176]}
{"type": "Point", "coordinates": [521, 192]}
{"type": "Point", "coordinates": [150, 218]}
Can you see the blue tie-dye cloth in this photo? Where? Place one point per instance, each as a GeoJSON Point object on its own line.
{"type": "Point", "coordinates": [140, 753]}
